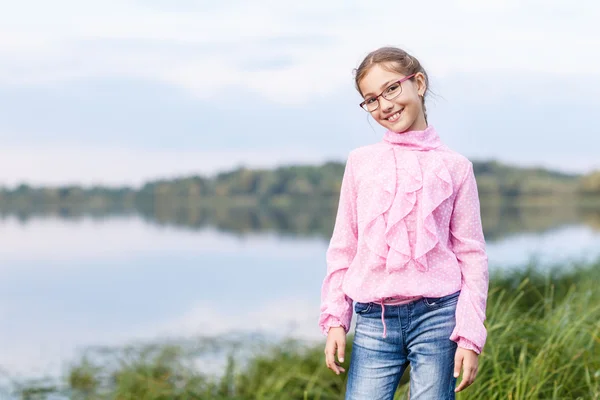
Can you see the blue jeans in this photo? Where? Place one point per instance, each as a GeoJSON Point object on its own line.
{"type": "Point", "coordinates": [417, 333]}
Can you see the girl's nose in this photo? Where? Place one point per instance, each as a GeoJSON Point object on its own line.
{"type": "Point", "coordinates": [385, 104]}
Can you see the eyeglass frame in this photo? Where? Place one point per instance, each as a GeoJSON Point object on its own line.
{"type": "Point", "coordinates": [361, 105]}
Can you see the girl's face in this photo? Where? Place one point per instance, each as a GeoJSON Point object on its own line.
{"type": "Point", "coordinates": [400, 114]}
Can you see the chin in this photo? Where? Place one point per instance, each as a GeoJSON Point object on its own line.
{"type": "Point", "coordinates": [400, 126]}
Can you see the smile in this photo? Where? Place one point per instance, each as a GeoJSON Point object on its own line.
{"type": "Point", "coordinates": [394, 117]}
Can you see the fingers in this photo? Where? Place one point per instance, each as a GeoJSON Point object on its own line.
{"type": "Point", "coordinates": [332, 364]}
{"type": "Point", "coordinates": [469, 372]}
{"type": "Point", "coordinates": [330, 350]}
{"type": "Point", "coordinates": [341, 350]}
{"type": "Point", "coordinates": [330, 356]}
{"type": "Point", "coordinates": [458, 360]}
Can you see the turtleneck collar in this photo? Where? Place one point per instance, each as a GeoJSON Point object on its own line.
{"type": "Point", "coordinates": [427, 139]}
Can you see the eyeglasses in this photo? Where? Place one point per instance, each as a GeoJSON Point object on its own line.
{"type": "Point", "coordinates": [391, 92]}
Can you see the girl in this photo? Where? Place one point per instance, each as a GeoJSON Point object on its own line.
{"type": "Point", "coordinates": [407, 247]}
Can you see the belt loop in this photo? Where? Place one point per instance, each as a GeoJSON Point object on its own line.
{"type": "Point", "coordinates": [383, 319]}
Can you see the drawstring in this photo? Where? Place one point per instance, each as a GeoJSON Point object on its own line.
{"type": "Point", "coordinates": [393, 301]}
{"type": "Point", "coordinates": [383, 319]}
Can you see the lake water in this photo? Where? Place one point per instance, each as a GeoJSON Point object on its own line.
{"type": "Point", "coordinates": [66, 285]}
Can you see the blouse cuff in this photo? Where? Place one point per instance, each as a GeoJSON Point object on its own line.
{"type": "Point", "coordinates": [331, 322]}
{"type": "Point", "coordinates": [467, 344]}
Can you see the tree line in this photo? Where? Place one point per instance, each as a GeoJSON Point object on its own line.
{"type": "Point", "coordinates": [493, 179]}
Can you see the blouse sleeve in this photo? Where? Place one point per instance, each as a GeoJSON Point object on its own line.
{"type": "Point", "coordinates": [468, 244]}
{"type": "Point", "coordinates": [336, 307]}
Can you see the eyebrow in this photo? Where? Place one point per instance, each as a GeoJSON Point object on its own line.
{"type": "Point", "coordinates": [382, 87]}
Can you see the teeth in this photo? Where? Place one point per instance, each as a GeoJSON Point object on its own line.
{"type": "Point", "coordinates": [394, 117]}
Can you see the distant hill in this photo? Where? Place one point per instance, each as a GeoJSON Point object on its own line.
{"type": "Point", "coordinates": [495, 178]}
{"type": "Point", "coordinates": [263, 185]}
{"type": "Point", "coordinates": [302, 200]}
{"type": "Point", "coordinates": [500, 169]}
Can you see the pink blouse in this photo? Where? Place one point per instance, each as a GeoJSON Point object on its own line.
{"type": "Point", "coordinates": [408, 224]}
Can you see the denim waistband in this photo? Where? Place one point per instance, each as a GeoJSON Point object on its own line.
{"type": "Point", "coordinates": [387, 300]}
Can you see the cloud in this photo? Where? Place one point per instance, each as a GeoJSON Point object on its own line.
{"type": "Point", "coordinates": [462, 36]}
{"type": "Point", "coordinates": [66, 134]}
{"type": "Point", "coordinates": [169, 85]}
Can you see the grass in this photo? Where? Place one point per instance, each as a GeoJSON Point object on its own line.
{"type": "Point", "coordinates": [543, 339]}
{"type": "Point", "coordinates": [543, 343]}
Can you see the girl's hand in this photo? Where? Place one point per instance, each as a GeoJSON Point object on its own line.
{"type": "Point", "coordinates": [336, 340]}
{"type": "Point", "coordinates": [468, 360]}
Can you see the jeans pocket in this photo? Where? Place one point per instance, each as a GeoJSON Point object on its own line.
{"type": "Point", "coordinates": [440, 302]}
{"type": "Point", "coordinates": [362, 308]}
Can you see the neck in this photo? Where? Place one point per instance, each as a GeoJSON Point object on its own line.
{"type": "Point", "coordinates": [420, 124]}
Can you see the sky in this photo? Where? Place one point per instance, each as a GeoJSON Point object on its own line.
{"type": "Point", "coordinates": [120, 92]}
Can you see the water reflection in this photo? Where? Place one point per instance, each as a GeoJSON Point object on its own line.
{"type": "Point", "coordinates": [310, 218]}
{"type": "Point", "coordinates": [67, 283]}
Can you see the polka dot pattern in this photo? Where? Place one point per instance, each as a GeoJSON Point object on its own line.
{"type": "Point", "coordinates": [408, 224]}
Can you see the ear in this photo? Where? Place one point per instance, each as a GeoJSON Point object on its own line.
{"type": "Point", "coordinates": [421, 83]}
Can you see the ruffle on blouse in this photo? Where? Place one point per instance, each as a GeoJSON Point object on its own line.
{"type": "Point", "coordinates": [389, 238]}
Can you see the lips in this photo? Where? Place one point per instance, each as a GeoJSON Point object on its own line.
{"type": "Point", "coordinates": [394, 117]}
